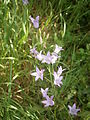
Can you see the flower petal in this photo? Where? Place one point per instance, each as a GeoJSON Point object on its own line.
{"type": "Point", "coordinates": [34, 74]}
{"type": "Point", "coordinates": [31, 18]}
{"type": "Point", "coordinates": [37, 18]}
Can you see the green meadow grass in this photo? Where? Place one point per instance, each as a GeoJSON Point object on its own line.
{"type": "Point", "coordinates": [62, 22]}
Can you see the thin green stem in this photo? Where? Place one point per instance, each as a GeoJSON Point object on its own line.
{"type": "Point", "coordinates": [10, 83]}
{"type": "Point", "coordinates": [50, 71]}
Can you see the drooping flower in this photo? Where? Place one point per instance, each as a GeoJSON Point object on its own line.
{"type": "Point", "coordinates": [44, 92]}
{"type": "Point", "coordinates": [35, 21]}
{"type": "Point", "coordinates": [48, 102]}
{"type": "Point", "coordinates": [25, 2]}
{"type": "Point", "coordinates": [38, 74]}
{"type": "Point", "coordinates": [57, 49]}
{"type": "Point", "coordinates": [47, 59]}
{"type": "Point", "coordinates": [73, 110]}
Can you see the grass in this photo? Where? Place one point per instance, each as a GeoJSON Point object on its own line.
{"type": "Point", "coordinates": [62, 22]}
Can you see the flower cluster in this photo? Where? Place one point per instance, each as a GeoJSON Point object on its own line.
{"type": "Point", "coordinates": [49, 58]}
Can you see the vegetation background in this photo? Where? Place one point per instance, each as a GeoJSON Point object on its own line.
{"type": "Point", "coordinates": [62, 22]}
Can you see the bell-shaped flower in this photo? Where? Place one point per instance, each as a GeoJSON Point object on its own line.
{"type": "Point", "coordinates": [38, 74]}
{"type": "Point", "coordinates": [40, 56]}
{"type": "Point", "coordinates": [47, 59]}
{"type": "Point", "coordinates": [58, 81]}
{"type": "Point", "coordinates": [44, 92]}
{"type": "Point", "coordinates": [60, 70]}
{"type": "Point", "coordinates": [73, 110]}
{"type": "Point", "coordinates": [57, 49]}
{"type": "Point", "coordinates": [34, 52]}
{"type": "Point", "coordinates": [54, 57]}
{"type": "Point", "coordinates": [35, 21]}
{"type": "Point", "coordinates": [48, 102]}
{"type": "Point", "coordinates": [57, 76]}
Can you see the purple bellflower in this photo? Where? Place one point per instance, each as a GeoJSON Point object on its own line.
{"type": "Point", "coordinates": [34, 52]}
{"type": "Point", "coordinates": [57, 49]}
{"type": "Point", "coordinates": [47, 59]}
{"type": "Point", "coordinates": [40, 56]}
{"type": "Point", "coordinates": [54, 57]}
{"type": "Point", "coordinates": [60, 70]}
{"type": "Point", "coordinates": [25, 2]}
{"type": "Point", "coordinates": [38, 74]}
{"type": "Point", "coordinates": [73, 110]}
{"type": "Point", "coordinates": [44, 92]}
{"type": "Point", "coordinates": [48, 102]}
{"type": "Point", "coordinates": [35, 21]}
{"type": "Point", "coordinates": [57, 77]}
